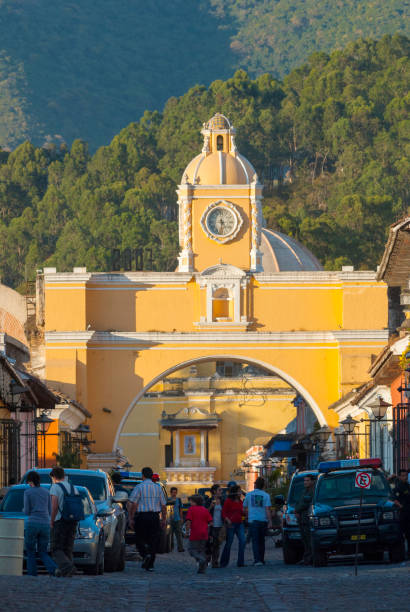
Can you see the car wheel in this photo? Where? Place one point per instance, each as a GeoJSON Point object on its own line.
{"type": "Point", "coordinates": [112, 555]}
{"type": "Point", "coordinates": [291, 554]}
{"type": "Point", "coordinates": [121, 562]}
{"type": "Point", "coordinates": [98, 567]}
{"type": "Point", "coordinates": [397, 553]}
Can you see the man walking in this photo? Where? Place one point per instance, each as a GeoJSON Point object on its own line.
{"type": "Point", "coordinates": [302, 514]}
{"type": "Point", "coordinates": [177, 519]}
{"type": "Point", "coordinates": [401, 496]}
{"type": "Point", "coordinates": [62, 531]}
{"type": "Point", "coordinates": [147, 500]}
{"type": "Point", "coordinates": [215, 506]}
{"type": "Point", "coordinates": [257, 506]}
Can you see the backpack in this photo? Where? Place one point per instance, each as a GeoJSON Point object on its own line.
{"type": "Point", "coordinates": [73, 509]}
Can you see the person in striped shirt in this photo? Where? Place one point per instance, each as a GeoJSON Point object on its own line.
{"type": "Point", "coordinates": [147, 501]}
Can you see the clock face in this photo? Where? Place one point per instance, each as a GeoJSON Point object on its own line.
{"type": "Point", "coordinates": [221, 221]}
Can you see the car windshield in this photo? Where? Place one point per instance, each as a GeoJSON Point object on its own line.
{"type": "Point", "coordinates": [295, 490]}
{"type": "Point", "coordinates": [14, 502]}
{"type": "Point", "coordinates": [95, 484]}
{"type": "Point", "coordinates": [129, 485]}
{"type": "Point", "coordinates": [339, 489]}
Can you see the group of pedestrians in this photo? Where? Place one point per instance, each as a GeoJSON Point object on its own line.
{"type": "Point", "coordinates": [45, 511]}
{"type": "Point", "coordinates": [208, 523]}
{"type": "Point", "coordinates": [205, 525]}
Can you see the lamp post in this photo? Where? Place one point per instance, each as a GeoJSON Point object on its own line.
{"type": "Point", "coordinates": [323, 435]}
{"type": "Point", "coordinates": [307, 444]}
{"type": "Point", "coordinates": [379, 408]}
{"type": "Point", "coordinates": [42, 424]}
{"type": "Point", "coordinates": [349, 424]}
{"type": "Point", "coordinates": [83, 442]}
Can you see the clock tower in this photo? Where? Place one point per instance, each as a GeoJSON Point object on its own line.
{"type": "Point", "coordinates": [219, 205]}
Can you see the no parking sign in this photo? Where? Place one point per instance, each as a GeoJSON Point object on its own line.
{"type": "Point", "coordinates": [363, 480]}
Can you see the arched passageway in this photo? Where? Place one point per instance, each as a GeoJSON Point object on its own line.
{"type": "Point", "coordinates": [198, 419]}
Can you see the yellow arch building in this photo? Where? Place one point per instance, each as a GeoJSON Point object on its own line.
{"type": "Point", "coordinates": [143, 351]}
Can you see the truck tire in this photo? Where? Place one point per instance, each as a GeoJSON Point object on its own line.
{"type": "Point", "coordinates": [112, 555]}
{"type": "Point", "coordinates": [397, 552]}
{"type": "Point", "coordinates": [291, 554]}
{"type": "Point", "coordinates": [319, 557]}
{"type": "Point", "coordinates": [376, 555]}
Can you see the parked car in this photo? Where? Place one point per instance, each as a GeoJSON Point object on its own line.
{"type": "Point", "coordinates": [337, 506]}
{"type": "Point", "coordinates": [88, 552]}
{"type": "Point", "coordinates": [109, 507]}
{"type": "Point", "coordinates": [291, 537]}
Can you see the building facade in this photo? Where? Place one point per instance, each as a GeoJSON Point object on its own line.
{"type": "Point", "coordinates": [241, 295]}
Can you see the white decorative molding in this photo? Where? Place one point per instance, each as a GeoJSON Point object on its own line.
{"type": "Point", "coordinates": [223, 276]}
{"type": "Point", "coordinates": [142, 339]}
{"type": "Point", "coordinates": [238, 221]}
{"type": "Point", "coordinates": [186, 256]}
{"type": "Point", "coordinates": [119, 278]}
{"type": "Point", "coordinates": [190, 475]}
{"type": "Point", "coordinates": [319, 276]}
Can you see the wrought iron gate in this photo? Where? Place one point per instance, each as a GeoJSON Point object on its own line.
{"type": "Point", "coordinates": [9, 451]}
{"type": "Point", "coordinates": [401, 423]}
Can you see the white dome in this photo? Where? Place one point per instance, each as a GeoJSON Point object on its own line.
{"type": "Point", "coordinates": [280, 253]}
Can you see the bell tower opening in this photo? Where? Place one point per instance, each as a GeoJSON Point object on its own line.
{"type": "Point", "coordinates": [219, 143]}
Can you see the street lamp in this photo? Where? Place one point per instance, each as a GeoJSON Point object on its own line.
{"type": "Point", "coordinates": [349, 424]}
{"type": "Point", "coordinates": [379, 408]}
{"type": "Point", "coordinates": [323, 434]}
{"type": "Point", "coordinates": [42, 424]}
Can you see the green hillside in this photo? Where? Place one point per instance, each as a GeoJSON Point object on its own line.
{"type": "Point", "coordinates": [338, 126]}
{"type": "Point", "coordinates": [277, 35]}
{"type": "Point", "coordinates": [85, 69]}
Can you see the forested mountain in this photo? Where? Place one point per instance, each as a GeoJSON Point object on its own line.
{"type": "Point", "coordinates": [338, 125]}
{"type": "Point", "coordinates": [87, 68]}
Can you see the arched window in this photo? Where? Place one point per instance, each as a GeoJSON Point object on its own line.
{"type": "Point", "coordinates": [222, 305]}
{"type": "Point", "coordinates": [219, 143]}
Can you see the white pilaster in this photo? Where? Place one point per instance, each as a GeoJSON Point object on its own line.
{"type": "Point", "coordinates": [177, 458]}
{"type": "Point", "coordinates": [202, 462]}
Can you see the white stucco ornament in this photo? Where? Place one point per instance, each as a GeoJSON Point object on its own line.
{"type": "Point", "coordinates": [221, 221]}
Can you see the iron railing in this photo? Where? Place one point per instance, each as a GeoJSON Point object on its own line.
{"type": "Point", "coordinates": [9, 452]}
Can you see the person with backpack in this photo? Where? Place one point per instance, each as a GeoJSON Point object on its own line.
{"type": "Point", "coordinates": [37, 507]}
{"type": "Point", "coordinates": [66, 512]}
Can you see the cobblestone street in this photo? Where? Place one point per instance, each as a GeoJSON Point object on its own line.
{"type": "Point", "coordinates": [175, 583]}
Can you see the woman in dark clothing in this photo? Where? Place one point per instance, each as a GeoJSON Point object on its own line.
{"type": "Point", "coordinates": [232, 514]}
{"type": "Point", "coordinates": [37, 506]}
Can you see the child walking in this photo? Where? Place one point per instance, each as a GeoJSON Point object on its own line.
{"type": "Point", "coordinates": [198, 519]}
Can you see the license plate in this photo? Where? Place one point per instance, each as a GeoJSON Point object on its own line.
{"type": "Point", "coordinates": [356, 537]}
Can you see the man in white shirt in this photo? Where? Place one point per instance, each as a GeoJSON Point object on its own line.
{"type": "Point", "coordinates": [257, 506]}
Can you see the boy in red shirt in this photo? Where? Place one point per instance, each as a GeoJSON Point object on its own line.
{"type": "Point", "coordinates": [198, 519]}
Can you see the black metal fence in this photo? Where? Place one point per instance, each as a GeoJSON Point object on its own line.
{"type": "Point", "coordinates": [401, 423]}
{"type": "Point", "coordinates": [9, 452]}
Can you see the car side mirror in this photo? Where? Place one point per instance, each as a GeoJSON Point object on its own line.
{"type": "Point", "coordinates": [120, 497]}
